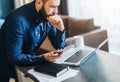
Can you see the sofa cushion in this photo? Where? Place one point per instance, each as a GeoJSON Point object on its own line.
{"type": "Point", "coordinates": [79, 26]}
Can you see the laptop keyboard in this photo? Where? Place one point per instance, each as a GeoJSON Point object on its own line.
{"type": "Point", "coordinates": [77, 56]}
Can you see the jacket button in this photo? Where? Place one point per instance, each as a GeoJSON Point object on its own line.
{"type": "Point", "coordinates": [36, 20]}
{"type": "Point", "coordinates": [36, 44]}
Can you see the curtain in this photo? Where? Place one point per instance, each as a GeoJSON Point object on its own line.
{"type": "Point", "coordinates": [18, 3]}
{"type": "Point", "coordinates": [5, 7]}
{"type": "Point", "coordinates": [63, 8]}
{"type": "Point", "coordinates": [106, 13]}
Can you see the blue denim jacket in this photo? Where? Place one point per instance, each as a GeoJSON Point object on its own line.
{"type": "Point", "coordinates": [22, 33]}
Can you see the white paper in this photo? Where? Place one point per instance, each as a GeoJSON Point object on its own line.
{"type": "Point", "coordinates": [47, 78]}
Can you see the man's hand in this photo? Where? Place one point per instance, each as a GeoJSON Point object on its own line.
{"type": "Point", "coordinates": [56, 21]}
{"type": "Point", "coordinates": [50, 57]}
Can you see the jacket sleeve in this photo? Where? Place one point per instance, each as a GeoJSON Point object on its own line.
{"type": "Point", "coordinates": [14, 38]}
{"type": "Point", "coordinates": [57, 38]}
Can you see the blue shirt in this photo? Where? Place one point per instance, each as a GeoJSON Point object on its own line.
{"type": "Point", "coordinates": [21, 35]}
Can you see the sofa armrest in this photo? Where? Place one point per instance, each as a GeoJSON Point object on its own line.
{"type": "Point", "coordinates": [92, 39]}
{"type": "Point", "coordinates": [97, 27]}
{"type": "Point", "coordinates": [95, 37]}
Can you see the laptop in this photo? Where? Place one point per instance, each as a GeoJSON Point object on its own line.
{"type": "Point", "coordinates": [76, 57]}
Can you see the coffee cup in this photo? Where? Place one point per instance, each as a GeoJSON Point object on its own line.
{"type": "Point", "coordinates": [79, 42]}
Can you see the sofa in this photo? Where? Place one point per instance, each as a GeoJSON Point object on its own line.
{"type": "Point", "coordinates": [93, 35]}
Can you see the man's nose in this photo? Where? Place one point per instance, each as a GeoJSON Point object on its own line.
{"type": "Point", "coordinates": [55, 11]}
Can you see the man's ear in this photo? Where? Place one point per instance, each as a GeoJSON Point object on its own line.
{"type": "Point", "coordinates": [39, 3]}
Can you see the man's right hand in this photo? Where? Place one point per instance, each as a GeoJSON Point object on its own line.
{"type": "Point", "coordinates": [49, 56]}
{"type": "Point", "coordinates": [56, 21]}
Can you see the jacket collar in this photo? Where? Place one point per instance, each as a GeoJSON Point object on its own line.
{"type": "Point", "coordinates": [38, 17]}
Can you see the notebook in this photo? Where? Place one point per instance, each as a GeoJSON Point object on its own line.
{"type": "Point", "coordinates": [76, 57]}
{"type": "Point", "coordinates": [52, 68]}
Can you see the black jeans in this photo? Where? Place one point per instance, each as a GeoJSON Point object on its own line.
{"type": "Point", "coordinates": [5, 79]}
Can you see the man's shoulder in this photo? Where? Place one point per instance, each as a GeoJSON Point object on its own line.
{"type": "Point", "coordinates": [21, 11]}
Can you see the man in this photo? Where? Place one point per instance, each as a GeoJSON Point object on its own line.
{"type": "Point", "coordinates": [23, 32]}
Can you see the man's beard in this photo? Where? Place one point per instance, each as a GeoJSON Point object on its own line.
{"type": "Point", "coordinates": [42, 12]}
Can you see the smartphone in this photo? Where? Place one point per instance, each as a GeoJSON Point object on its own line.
{"type": "Point", "coordinates": [56, 52]}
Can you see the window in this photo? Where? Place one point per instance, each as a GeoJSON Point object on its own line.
{"type": "Point", "coordinates": [106, 13]}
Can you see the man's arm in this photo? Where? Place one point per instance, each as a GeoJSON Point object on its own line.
{"type": "Point", "coordinates": [57, 38]}
{"type": "Point", "coordinates": [57, 34]}
{"type": "Point", "coordinates": [14, 44]}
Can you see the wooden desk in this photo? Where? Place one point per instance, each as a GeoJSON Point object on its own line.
{"type": "Point", "coordinates": [101, 67]}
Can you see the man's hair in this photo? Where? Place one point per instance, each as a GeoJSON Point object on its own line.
{"type": "Point", "coordinates": [43, 0]}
